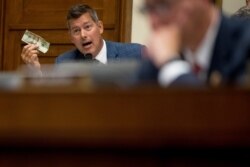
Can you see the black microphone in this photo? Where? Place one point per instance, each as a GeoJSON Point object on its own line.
{"type": "Point", "coordinates": [88, 56]}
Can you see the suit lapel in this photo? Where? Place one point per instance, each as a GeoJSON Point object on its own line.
{"type": "Point", "coordinates": [112, 51]}
{"type": "Point", "coordinates": [220, 52]}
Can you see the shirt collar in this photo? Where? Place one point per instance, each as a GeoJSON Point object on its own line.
{"type": "Point", "coordinates": [102, 55]}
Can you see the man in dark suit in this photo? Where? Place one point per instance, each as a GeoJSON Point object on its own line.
{"type": "Point", "coordinates": [85, 31]}
{"type": "Point", "coordinates": [192, 43]}
{"type": "Point", "coordinates": [115, 51]}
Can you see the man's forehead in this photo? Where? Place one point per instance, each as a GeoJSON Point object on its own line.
{"type": "Point", "coordinates": [155, 2]}
{"type": "Point", "coordinates": [83, 18]}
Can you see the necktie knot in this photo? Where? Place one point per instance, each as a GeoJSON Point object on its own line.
{"type": "Point", "coordinates": [89, 58]}
{"type": "Point", "coordinates": [196, 69]}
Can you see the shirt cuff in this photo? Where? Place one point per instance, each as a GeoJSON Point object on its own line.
{"type": "Point", "coordinates": [171, 71]}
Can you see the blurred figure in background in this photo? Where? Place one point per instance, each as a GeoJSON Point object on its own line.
{"type": "Point", "coordinates": [243, 12]}
{"type": "Point", "coordinates": [192, 43]}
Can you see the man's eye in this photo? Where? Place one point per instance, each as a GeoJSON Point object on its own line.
{"type": "Point", "coordinates": [75, 31]}
{"type": "Point", "coordinates": [88, 27]}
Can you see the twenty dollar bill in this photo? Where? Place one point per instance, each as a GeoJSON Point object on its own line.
{"type": "Point", "coordinates": [32, 38]}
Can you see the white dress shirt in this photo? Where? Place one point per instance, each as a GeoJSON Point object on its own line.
{"type": "Point", "coordinates": [102, 55]}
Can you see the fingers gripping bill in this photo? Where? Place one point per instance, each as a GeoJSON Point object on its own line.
{"type": "Point", "coordinates": [32, 38]}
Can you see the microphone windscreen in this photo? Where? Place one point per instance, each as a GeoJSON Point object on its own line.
{"type": "Point", "coordinates": [88, 56]}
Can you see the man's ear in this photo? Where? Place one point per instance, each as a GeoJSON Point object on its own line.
{"type": "Point", "coordinates": [100, 26]}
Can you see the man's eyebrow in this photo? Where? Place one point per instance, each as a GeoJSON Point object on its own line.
{"type": "Point", "coordinates": [74, 27]}
{"type": "Point", "coordinates": [88, 22]}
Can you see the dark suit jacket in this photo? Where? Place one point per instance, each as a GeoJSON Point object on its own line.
{"type": "Point", "coordinates": [229, 59]}
{"type": "Point", "coordinates": [115, 51]}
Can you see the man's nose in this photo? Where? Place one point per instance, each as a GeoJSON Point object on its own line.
{"type": "Point", "coordinates": [83, 34]}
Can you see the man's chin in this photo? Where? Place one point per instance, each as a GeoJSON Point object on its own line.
{"type": "Point", "coordinates": [87, 51]}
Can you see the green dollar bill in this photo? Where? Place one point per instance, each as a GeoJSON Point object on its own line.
{"type": "Point", "coordinates": [32, 38]}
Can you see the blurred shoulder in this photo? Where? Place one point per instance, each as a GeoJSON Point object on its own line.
{"type": "Point", "coordinates": [242, 12]}
{"type": "Point", "coordinates": [121, 45]}
{"type": "Point", "coordinates": [124, 50]}
{"type": "Point", "coordinates": [236, 25]}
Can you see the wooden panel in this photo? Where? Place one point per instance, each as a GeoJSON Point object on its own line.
{"type": "Point", "coordinates": [125, 17]}
{"type": "Point", "coordinates": [67, 126]}
{"type": "Point", "coordinates": [1, 31]}
{"type": "Point", "coordinates": [48, 19]}
{"type": "Point", "coordinates": [46, 11]}
{"type": "Point", "coordinates": [12, 49]}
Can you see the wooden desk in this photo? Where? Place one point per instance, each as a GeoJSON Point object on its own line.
{"type": "Point", "coordinates": [135, 127]}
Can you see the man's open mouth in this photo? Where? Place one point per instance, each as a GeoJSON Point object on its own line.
{"type": "Point", "coordinates": [86, 44]}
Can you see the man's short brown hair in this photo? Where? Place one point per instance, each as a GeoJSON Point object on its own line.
{"type": "Point", "coordinates": [78, 10]}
